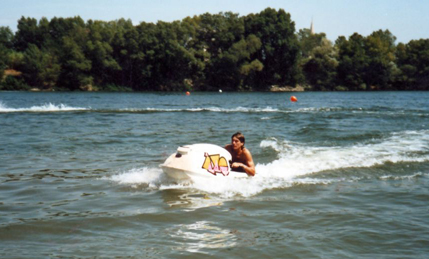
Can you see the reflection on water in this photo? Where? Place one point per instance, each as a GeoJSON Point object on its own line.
{"type": "Point", "coordinates": [201, 235]}
{"type": "Point", "coordinates": [189, 199]}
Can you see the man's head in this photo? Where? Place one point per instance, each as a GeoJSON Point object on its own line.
{"type": "Point", "coordinates": [238, 140]}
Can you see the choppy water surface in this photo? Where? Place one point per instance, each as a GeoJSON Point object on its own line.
{"type": "Point", "coordinates": [339, 175]}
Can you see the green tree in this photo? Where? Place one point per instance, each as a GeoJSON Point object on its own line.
{"type": "Point", "coordinates": [279, 52]}
{"type": "Point", "coordinates": [6, 37]}
{"type": "Point", "coordinates": [166, 62]}
{"type": "Point", "coordinates": [318, 60]}
{"type": "Point", "coordinates": [14, 59]}
{"type": "Point", "coordinates": [75, 66]}
{"type": "Point", "coordinates": [367, 63]}
{"type": "Point", "coordinates": [321, 66]}
{"type": "Point", "coordinates": [6, 44]}
{"type": "Point", "coordinates": [413, 63]}
{"type": "Point", "coordinates": [188, 38]}
{"type": "Point", "coordinates": [352, 62]}
{"type": "Point", "coordinates": [380, 51]}
{"type": "Point", "coordinates": [99, 51]}
{"type": "Point", "coordinates": [234, 68]}
{"type": "Point", "coordinates": [40, 69]}
{"type": "Point", "coordinates": [216, 34]}
{"type": "Point", "coordinates": [57, 29]}
{"type": "Point", "coordinates": [308, 42]}
{"type": "Point", "coordinates": [28, 33]}
{"type": "Point", "coordinates": [126, 52]}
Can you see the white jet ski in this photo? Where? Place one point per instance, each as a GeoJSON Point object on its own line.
{"type": "Point", "coordinates": [199, 160]}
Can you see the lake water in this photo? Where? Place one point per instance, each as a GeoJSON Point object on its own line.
{"type": "Point", "coordinates": [339, 175]}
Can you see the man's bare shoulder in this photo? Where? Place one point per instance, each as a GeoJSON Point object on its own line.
{"type": "Point", "coordinates": [246, 152]}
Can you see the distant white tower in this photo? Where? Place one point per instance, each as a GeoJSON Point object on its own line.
{"type": "Point", "coordinates": [311, 27]}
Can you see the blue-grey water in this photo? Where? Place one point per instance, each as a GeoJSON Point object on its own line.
{"type": "Point", "coordinates": [339, 175]}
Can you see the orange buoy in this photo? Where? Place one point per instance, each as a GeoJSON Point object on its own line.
{"type": "Point", "coordinates": [293, 99]}
{"type": "Point", "coordinates": [188, 93]}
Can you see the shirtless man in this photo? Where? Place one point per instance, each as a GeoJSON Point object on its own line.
{"type": "Point", "coordinates": [242, 160]}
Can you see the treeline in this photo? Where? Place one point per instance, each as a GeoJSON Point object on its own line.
{"type": "Point", "coordinates": [204, 53]}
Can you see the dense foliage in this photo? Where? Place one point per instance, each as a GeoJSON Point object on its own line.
{"type": "Point", "coordinates": [205, 52]}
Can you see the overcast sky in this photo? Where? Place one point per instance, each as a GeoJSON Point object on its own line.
{"type": "Point", "coordinates": [405, 19]}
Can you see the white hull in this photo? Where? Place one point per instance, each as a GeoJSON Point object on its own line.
{"type": "Point", "coordinates": [199, 161]}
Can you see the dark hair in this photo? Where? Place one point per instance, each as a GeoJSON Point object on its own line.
{"type": "Point", "coordinates": [239, 136]}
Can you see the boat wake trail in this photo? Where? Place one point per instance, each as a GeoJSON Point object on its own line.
{"type": "Point", "coordinates": [296, 160]}
{"type": "Point", "coordinates": [48, 107]}
{"type": "Point", "coordinates": [297, 164]}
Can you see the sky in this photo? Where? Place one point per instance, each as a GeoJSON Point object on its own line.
{"type": "Point", "coordinates": [405, 19]}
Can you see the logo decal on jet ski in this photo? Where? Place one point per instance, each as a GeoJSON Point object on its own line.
{"type": "Point", "coordinates": [215, 164]}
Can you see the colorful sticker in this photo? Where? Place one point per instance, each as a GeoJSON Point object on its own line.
{"type": "Point", "coordinates": [215, 164]}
